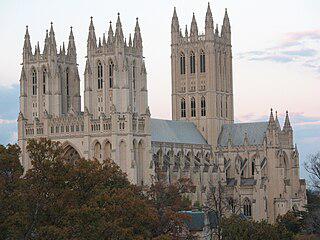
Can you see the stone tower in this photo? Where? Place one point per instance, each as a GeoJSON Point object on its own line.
{"type": "Point", "coordinates": [201, 67]}
{"type": "Point", "coordinates": [116, 91]}
{"type": "Point", "coordinates": [49, 82]}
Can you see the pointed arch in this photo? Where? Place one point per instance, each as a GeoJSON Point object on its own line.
{"type": "Point", "coordinates": [70, 153]}
{"type": "Point", "coordinates": [192, 63]}
{"type": "Point", "coordinates": [183, 112]}
{"type": "Point", "coordinates": [193, 107]}
{"type": "Point", "coordinates": [140, 162]}
{"type": "Point", "coordinates": [203, 106]}
{"type": "Point", "coordinates": [107, 150]}
{"type": "Point", "coordinates": [44, 80]}
{"type": "Point", "coordinates": [111, 73]}
{"type": "Point", "coordinates": [123, 155]}
{"type": "Point", "coordinates": [202, 61]}
{"type": "Point", "coordinates": [34, 81]}
{"type": "Point", "coordinates": [97, 150]}
{"type": "Point", "coordinates": [100, 74]}
{"type": "Point", "coordinates": [247, 207]}
{"type": "Point", "coordinates": [182, 63]}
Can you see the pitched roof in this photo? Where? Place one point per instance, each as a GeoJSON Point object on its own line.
{"type": "Point", "coordinates": [175, 132]}
{"type": "Point", "coordinates": [255, 132]}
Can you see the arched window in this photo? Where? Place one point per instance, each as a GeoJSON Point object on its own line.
{"type": "Point", "coordinates": [34, 82]}
{"type": "Point", "coordinates": [202, 62]}
{"type": "Point", "coordinates": [44, 75]}
{"type": "Point", "coordinates": [100, 75]}
{"type": "Point", "coordinates": [183, 107]}
{"type": "Point", "coordinates": [192, 63]}
{"type": "Point", "coordinates": [182, 63]}
{"type": "Point", "coordinates": [67, 81]}
{"type": "Point", "coordinates": [226, 106]}
{"type": "Point", "coordinates": [193, 107]}
{"type": "Point", "coordinates": [247, 211]}
{"type": "Point", "coordinates": [111, 70]}
{"type": "Point", "coordinates": [252, 168]}
{"type": "Point", "coordinates": [203, 106]}
{"type": "Point", "coordinates": [134, 76]}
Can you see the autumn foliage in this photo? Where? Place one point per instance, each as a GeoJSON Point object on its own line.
{"type": "Point", "coordinates": [59, 199]}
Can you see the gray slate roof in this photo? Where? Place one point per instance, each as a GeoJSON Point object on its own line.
{"type": "Point", "coordinates": [175, 132]}
{"type": "Point", "coordinates": [255, 132]}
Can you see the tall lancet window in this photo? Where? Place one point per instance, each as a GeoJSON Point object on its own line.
{"type": "Point", "coordinates": [203, 106]}
{"type": "Point", "coordinates": [202, 62]}
{"type": "Point", "coordinates": [44, 80]}
{"type": "Point", "coordinates": [100, 75]}
{"type": "Point", "coordinates": [34, 82]}
{"type": "Point", "coordinates": [67, 82]}
{"type": "Point", "coordinates": [111, 71]}
{"type": "Point", "coordinates": [192, 63]}
{"type": "Point", "coordinates": [183, 108]}
{"type": "Point", "coordinates": [134, 76]}
{"type": "Point", "coordinates": [193, 107]}
{"type": "Point", "coordinates": [182, 63]}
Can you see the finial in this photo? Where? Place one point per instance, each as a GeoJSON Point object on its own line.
{"type": "Point", "coordinates": [71, 28]}
{"type": "Point", "coordinates": [51, 23]}
{"type": "Point", "coordinates": [27, 27]}
{"type": "Point", "coordinates": [91, 17]}
{"type": "Point", "coordinates": [118, 14]}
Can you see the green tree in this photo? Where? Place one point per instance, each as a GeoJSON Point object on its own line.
{"type": "Point", "coordinates": [235, 228]}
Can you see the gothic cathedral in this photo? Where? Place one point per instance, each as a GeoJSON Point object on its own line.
{"type": "Point", "coordinates": [258, 162]}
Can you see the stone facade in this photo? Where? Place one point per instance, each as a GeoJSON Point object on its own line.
{"type": "Point", "coordinates": [258, 162]}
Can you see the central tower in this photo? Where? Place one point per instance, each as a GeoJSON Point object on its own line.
{"type": "Point", "coordinates": [201, 68]}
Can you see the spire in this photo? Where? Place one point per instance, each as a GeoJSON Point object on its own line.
{"type": "Point", "coordinates": [226, 28]}
{"type": "Point", "coordinates": [104, 42]}
{"type": "Point", "coordinates": [119, 32]}
{"type": "Point", "coordinates": [217, 30]}
{"type": "Point", "coordinates": [194, 27]}
{"type": "Point", "coordinates": [277, 121]}
{"type": "Point", "coordinates": [186, 34]}
{"type": "Point", "coordinates": [175, 27]}
{"type": "Point", "coordinates": [130, 40]}
{"type": "Point", "coordinates": [27, 49]}
{"type": "Point", "coordinates": [92, 40]}
{"type": "Point", "coordinates": [71, 45]}
{"type": "Point", "coordinates": [46, 43]}
{"type": "Point", "coordinates": [287, 125]}
{"type": "Point", "coordinates": [37, 49]}
{"type": "Point", "coordinates": [271, 124]}
{"type": "Point", "coordinates": [110, 34]}
{"type": "Point", "coordinates": [99, 45]}
{"type": "Point", "coordinates": [137, 40]}
{"type": "Point", "coordinates": [52, 40]}
{"type": "Point", "coordinates": [209, 24]}
{"type": "Point", "coordinates": [63, 48]}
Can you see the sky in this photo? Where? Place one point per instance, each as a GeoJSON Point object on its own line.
{"type": "Point", "coordinates": [276, 53]}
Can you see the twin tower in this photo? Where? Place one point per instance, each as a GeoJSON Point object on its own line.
{"type": "Point", "coordinates": [115, 75]}
{"type": "Point", "coordinates": [201, 68]}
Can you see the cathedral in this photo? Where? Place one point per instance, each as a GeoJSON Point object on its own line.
{"type": "Point", "coordinates": [257, 161]}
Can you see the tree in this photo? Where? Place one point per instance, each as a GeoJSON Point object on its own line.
{"type": "Point", "coordinates": [10, 173]}
{"type": "Point", "coordinates": [83, 199]}
{"type": "Point", "coordinates": [169, 200]}
{"type": "Point", "coordinates": [221, 202]}
{"type": "Point", "coordinates": [313, 168]}
{"type": "Point", "coordinates": [235, 228]}
{"type": "Point", "coordinates": [291, 221]}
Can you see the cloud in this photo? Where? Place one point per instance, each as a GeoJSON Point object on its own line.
{"type": "Point", "coordinates": [301, 48]}
{"type": "Point", "coordinates": [5, 121]}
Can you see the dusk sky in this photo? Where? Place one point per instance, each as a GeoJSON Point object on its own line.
{"type": "Point", "coordinates": [276, 50]}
